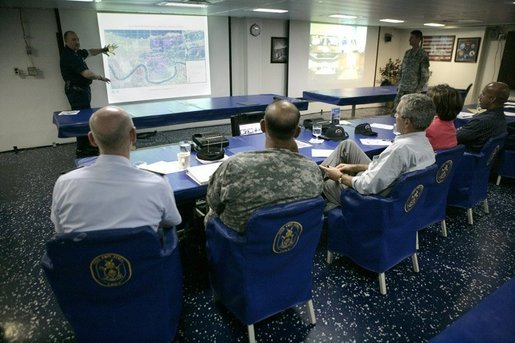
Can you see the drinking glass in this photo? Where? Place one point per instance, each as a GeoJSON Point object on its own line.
{"type": "Point", "coordinates": [183, 157]}
{"type": "Point", "coordinates": [317, 131]}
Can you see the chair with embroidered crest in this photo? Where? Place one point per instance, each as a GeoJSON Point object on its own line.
{"type": "Point", "coordinates": [268, 268]}
{"type": "Point", "coordinates": [506, 165]}
{"type": "Point", "coordinates": [469, 185]}
{"type": "Point", "coordinates": [117, 285]}
{"type": "Point", "coordinates": [377, 232]}
{"type": "Point", "coordinates": [435, 205]}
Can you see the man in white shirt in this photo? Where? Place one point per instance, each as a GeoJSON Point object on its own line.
{"type": "Point", "coordinates": [349, 166]}
{"type": "Point", "coordinates": [112, 193]}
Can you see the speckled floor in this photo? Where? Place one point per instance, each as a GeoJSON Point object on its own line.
{"type": "Point", "coordinates": [456, 273]}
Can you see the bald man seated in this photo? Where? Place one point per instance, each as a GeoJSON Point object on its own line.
{"type": "Point", "coordinates": [490, 123]}
{"type": "Point", "coordinates": [112, 193]}
{"type": "Point", "coordinates": [278, 174]}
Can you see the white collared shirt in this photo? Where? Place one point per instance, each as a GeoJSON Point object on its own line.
{"type": "Point", "coordinates": [111, 194]}
{"type": "Point", "coordinates": [409, 152]}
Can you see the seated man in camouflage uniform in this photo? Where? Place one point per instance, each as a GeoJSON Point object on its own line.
{"type": "Point", "coordinates": [278, 174]}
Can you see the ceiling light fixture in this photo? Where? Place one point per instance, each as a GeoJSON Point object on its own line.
{"type": "Point", "coordinates": [269, 10]}
{"type": "Point", "coordinates": [434, 24]}
{"type": "Point", "coordinates": [181, 4]}
{"type": "Point", "coordinates": [393, 21]}
{"type": "Point", "coordinates": [81, 0]}
{"type": "Point", "coordinates": [343, 16]}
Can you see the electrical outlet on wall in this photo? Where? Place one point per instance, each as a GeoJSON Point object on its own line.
{"type": "Point", "coordinates": [32, 71]}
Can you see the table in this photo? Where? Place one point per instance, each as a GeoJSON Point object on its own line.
{"type": "Point", "coordinates": [185, 189]}
{"type": "Point", "coordinates": [352, 96]}
{"type": "Point", "coordinates": [355, 96]}
{"type": "Point", "coordinates": [162, 113]}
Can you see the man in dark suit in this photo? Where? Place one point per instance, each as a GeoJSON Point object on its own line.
{"type": "Point", "coordinates": [489, 123]}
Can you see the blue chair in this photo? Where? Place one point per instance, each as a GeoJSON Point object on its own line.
{"type": "Point", "coordinates": [469, 185]}
{"type": "Point", "coordinates": [506, 165]}
{"type": "Point", "coordinates": [377, 232]}
{"type": "Point", "coordinates": [435, 205]}
{"type": "Point", "coordinates": [118, 285]}
{"type": "Point", "coordinates": [268, 268]}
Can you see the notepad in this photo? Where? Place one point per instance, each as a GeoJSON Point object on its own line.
{"type": "Point", "coordinates": [68, 113]}
{"type": "Point", "coordinates": [321, 152]}
{"type": "Point", "coordinates": [373, 141]}
{"type": "Point", "coordinates": [465, 115]}
{"type": "Point", "coordinates": [160, 167]}
{"type": "Point", "coordinates": [381, 126]}
{"type": "Point", "coordinates": [201, 174]}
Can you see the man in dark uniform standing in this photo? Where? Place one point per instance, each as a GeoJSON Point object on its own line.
{"type": "Point", "coordinates": [78, 77]}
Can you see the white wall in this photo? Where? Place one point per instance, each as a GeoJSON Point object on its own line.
{"type": "Point", "coordinates": [28, 103]}
{"type": "Point", "coordinates": [456, 74]}
{"type": "Point", "coordinates": [493, 50]}
{"type": "Point", "coordinates": [252, 71]}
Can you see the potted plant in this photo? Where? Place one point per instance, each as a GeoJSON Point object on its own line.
{"type": "Point", "coordinates": [390, 72]}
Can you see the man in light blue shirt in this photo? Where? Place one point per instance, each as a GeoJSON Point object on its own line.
{"type": "Point", "coordinates": [349, 166]}
{"type": "Point", "coordinates": [112, 193]}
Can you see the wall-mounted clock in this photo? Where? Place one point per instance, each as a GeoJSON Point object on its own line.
{"type": "Point", "coordinates": [255, 30]}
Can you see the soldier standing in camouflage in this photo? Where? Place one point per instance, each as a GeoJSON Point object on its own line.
{"type": "Point", "coordinates": [278, 174]}
{"type": "Point", "coordinates": [414, 71]}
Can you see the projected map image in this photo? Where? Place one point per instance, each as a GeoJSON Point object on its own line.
{"type": "Point", "coordinates": [156, 58]}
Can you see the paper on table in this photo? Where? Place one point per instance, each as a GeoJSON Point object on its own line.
{"type": "Point", "coordinates": [345, 122]}
{"type": "Point", "coordinates": [301, 145]}
{"type": "Point", "coordinates": [161, 167]}
{"type": "Point", "coordinates": [476, 110]}
{"type": "Point", "coordinates": [68, 113]}
{"type": "Point", "coordinates": [382, 126]}
{"type": "Point", "coordinates": [465, 115]}
{"type": "Point", "coordinates": [373, 141]}
{"type": "Point", "coordinates": [200, 174]}
{"type": "Point", "coordinates": [321, 152]}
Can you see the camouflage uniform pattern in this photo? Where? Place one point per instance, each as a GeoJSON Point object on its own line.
{"type": "Point", "coordinates": [252, 180]}
{"type": "Point", "coordinates": [414, 73]}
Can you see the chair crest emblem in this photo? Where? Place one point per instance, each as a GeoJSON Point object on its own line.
{"type": "Point", "coordinates": [444, 171]}
{"type": "Point", "coordinates": [110, 270]}
{"type": "Point", "coordinates": [492, 156]}
{"type": "Point", "coordinates": [413, 198]}
{"type": "Point", "coordinates": [287, 237]}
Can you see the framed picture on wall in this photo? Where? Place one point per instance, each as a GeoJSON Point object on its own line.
{"type": "Point", "coordinates": [439, 48]}
{"type": "Point", "coordinates": [279, 50]}
{"type": "Point", "coordinates": [467, 49]}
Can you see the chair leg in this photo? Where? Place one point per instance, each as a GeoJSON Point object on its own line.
{"type": "Point", "coordinates": [443, 227]}
{"type": "Point", "coordinates": [330, 257]}
{"type": "Point", "coordinates": [382, 283]}
{"type": "Point", "coordinates": [470, 218]}
{"type": "Point", "coordinates": [414, 260]}
{"type": "Point", "coordinates": [311, 312]}
{"type": "Point", "coordinates": [252, 337]}
{"type": "Point", "coordinates": [498, 182]}
{"type": "Point", "coordinates": [416, 241]}
{"type": "Point", "coordinates": [485, 206]}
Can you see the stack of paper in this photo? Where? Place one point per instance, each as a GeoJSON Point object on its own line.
{"type": "Point", "coordinates": [201, 174]}
{"type": "Point", "coordinates": [161, 167]}
{"type": "Point", "coordinates": [465, 115]}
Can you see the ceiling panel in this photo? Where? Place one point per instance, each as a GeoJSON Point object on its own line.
{"type": "Point", "coordinates": [453, 13]}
